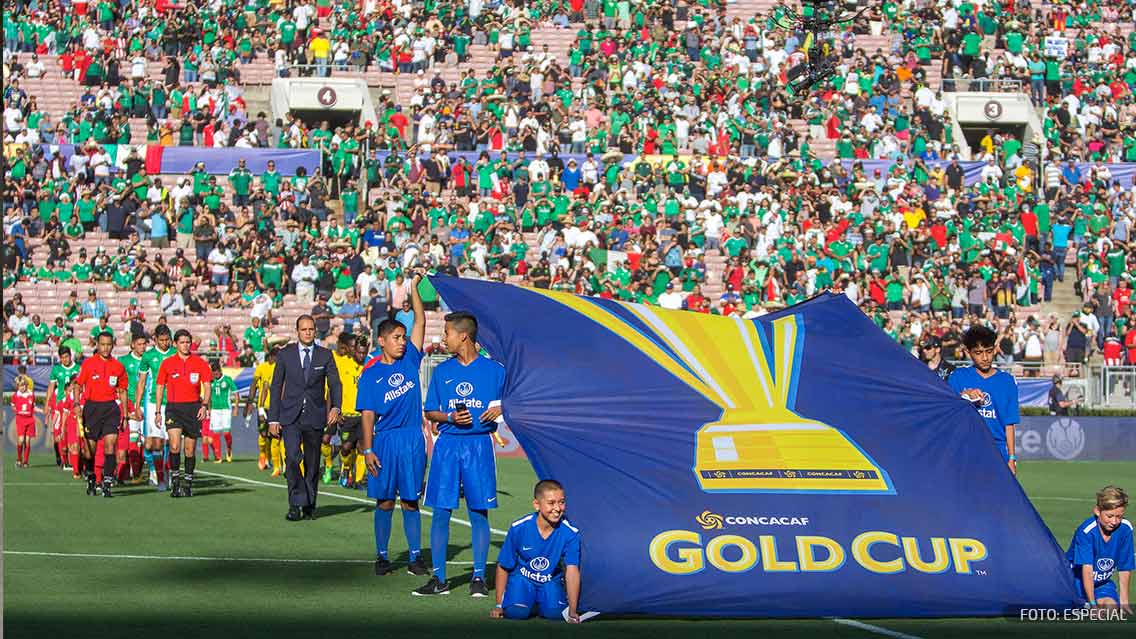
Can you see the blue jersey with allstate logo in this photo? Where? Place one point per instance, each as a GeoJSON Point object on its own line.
{"type": "Point", "coordinates": [392, 391]}
{"type": "Point", "coordinates": [476, 384]}
{"type": "Point", "coordinates": [538, 559]}
{"type": "Point", "coordinates": [999, 405]}
{"type": "Point", "coordinates": [1089, 548]}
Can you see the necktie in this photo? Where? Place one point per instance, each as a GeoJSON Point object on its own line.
{"type": "Point", "coordinates": [306, 363]}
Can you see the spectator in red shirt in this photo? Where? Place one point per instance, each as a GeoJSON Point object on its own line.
{"type": "Point", "coordinates": [1130, 345]}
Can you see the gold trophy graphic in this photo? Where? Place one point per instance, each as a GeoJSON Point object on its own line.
{"type": "Point", "coordinates": [758, 444]}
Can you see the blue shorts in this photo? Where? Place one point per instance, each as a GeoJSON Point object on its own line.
{"type": "Point", "coordinates": [463, 462]}
{"type": "Point", "coordinates": [523, 598]}
{"type": "Point", "coordinates": [402, 460]}
{"type": "Point", "coordinates": [1107, 589]}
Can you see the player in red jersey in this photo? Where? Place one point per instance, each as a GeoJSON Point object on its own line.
{"type": "Point", "coordinates": [184, 385]}
{"type": "Point", "coordinates": [127, 455]}
{"type": "Point", "coordinates": [103, 379]}
{"type": "Point", "coordinates": [68, 413]}
{"type": "Point", "coordinates": [23, 405]}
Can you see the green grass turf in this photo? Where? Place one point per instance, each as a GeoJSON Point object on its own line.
{"type": "Point", "coordinates": [73, 597]}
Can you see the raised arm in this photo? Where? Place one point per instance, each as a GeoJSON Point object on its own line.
{"type": "Point", "coordinates": [418, 333]}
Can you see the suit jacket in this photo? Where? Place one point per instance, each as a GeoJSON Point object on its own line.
{"type": "Point", "coordinates": [296, 402]}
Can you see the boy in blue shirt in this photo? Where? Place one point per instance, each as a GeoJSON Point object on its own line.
{"type": "Point", "coordinates": [464, 400]}
{"type": "Point", "coordinates": [1102, 545]}
{"type": "Point", "coordinates": [389, 397]}
{"type": "Point", "coordinates": [538, 569]}
{"type": "Point", "coordinates": [994, 393]}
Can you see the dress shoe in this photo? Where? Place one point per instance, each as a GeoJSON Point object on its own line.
{"type": "Point", "coordinates": [294, 514]}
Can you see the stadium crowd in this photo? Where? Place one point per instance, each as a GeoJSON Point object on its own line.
{"type": "Point", "coordinates": [733, 205]}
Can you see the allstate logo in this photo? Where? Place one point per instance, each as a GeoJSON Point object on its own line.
{"type": "Point", "coordinates": [709, 520]}
{"type": "Point", "coordinates": [396, 379]}
{"type": "Point", "coordinates": [1105, 564]}
{"type": "Point", "coordinates": [1065, 439]}
{"type": "Point", "coordinates": [539, 564]}
{"type": "Point", "coordinates": [465, 389]}
{"type": "Point", "coordinates": [986, 401]}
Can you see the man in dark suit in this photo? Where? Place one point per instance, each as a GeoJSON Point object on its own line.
{"type": "Point", "coordinates": [304, 399]}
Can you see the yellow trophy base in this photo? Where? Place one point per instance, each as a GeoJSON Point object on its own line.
{"type": "Point", "coordinates": [786, 457]}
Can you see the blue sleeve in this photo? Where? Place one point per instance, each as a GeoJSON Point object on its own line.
{"type": "Point", "coordinates": [499, 390]}
{"type": "Point", "coordinates": [955, 381]}
{"type": "Point", "coordinates": [433, 399]}
{"type": "Point", "coordinates": [365, 395]}
{"type": "Point", "coordinates": [1009, 403]}
{"type": "Point", "coordinates": [1126, 560]}
{"type": "Point", "coordinates": [507, 557]}
{"type": "Point", "coordinates": [1082, 550]}
{"type": "Point", "coordinates": [414, 355]}
{"type": "Point", "coordinates": [572, 551]}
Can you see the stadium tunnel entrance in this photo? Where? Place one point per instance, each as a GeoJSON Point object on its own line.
{"type": "Point", "coordinates": [312, 118]}
{"type": "Point", "coordinates": [315, 100]}
{"type": "Point", "coordinates": [976, 114]}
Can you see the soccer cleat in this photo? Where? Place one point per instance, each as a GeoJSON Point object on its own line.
{"type": "Point", "coordinates": [162, 487]}
{"type": "Point", "coordinates": [383, 566]}
{"type": "Point", "coordinates": [106, 489]}
{"type": "Point", "coordinates": [343, 479]}
{"type": "Point", "coordinates": [153, 478]}
{"type": "Point", "coordinates": [175, 491]}
{"type": "Point", "coordinates": [477, 588]}
{"type": "Point", "coordinates": [327, 475]}
{"type": "Point", "coordinates": [91, 486]}
{"type": "Point", "coordinates": [187, 488]}
{"type": "Point", "coordinates": [229, 457]}
{"type": "Point", "coordinates": [433, 587]}
{"type": "Point", "coordinates": [217, 461]}
{"type": "Point", "coordinates": [416, 567]}
{"type": "Point", "coordinates": [261, 462]}
{"type": "Point", "coordinates": [275, 472]}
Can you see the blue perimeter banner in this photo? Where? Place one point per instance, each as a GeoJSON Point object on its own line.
{"type": "Point", "coordinates": [1077, 438]}
{"type": "Point", "coordinates": [718, 467]}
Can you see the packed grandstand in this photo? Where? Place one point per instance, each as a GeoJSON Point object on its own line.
{"type": "Point", "coordinates": [640, 151]}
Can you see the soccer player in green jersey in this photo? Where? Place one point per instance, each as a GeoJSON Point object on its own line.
{"type": "Point", "coordinates": [61, 376]}
{"type": "Point", "coordinates": [154, 418]}
{"type": "Point", "coordinates": [134, 361]}
{"type": "Point", "coordinates": [223, 395]}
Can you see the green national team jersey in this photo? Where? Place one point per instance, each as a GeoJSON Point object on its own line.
{"type": "Point", "coordinates": [62, 376]}
{"type": "Point", "coordinates": [222, 391]}
{"type": "Point", "coordinates": [151, 362]}
{"type": "Point", "coordinates": [133, 365]}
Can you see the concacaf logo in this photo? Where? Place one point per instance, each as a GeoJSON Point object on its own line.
{"type": "Point", "coordinates": [709, 520]}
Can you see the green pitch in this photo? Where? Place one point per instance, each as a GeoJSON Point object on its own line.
{"type": "Point", "coordinates": [225, 563]}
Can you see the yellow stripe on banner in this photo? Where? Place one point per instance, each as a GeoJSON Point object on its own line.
{"type": "Point", "coordinates": [714, 344]}
{"type": "Point", "coordinates": [620, 328]}
{"type": "Point", "coordinates": [784, 354]}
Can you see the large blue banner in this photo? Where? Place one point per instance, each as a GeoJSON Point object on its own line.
{"type": "Point", "coordinates": [799, 465]}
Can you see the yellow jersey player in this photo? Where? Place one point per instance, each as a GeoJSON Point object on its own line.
{"type": "Point", "coordinates": [344, 356]}
{"type": "Point", "coordinates": [349, 370]}
{"type": "Point", "coordinates": [258, 396]}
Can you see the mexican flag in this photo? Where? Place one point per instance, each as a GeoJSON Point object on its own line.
{"type": "Point", "coordinates": [610, 259]}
